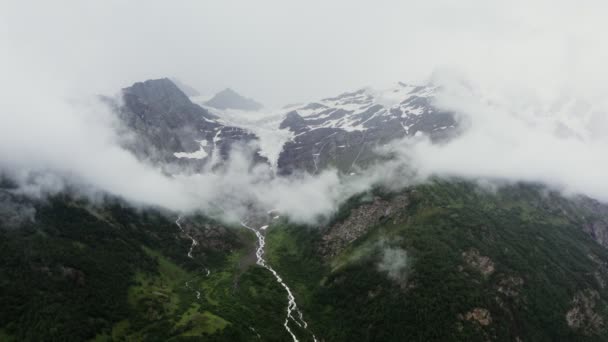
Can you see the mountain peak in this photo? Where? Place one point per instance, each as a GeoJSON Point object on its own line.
{"type": "Point", "coordinates": [162, 97]}
{"type": "Point", "coordinates": [230, 99]}
{"type": "Point", "coordinates": [160, 91]}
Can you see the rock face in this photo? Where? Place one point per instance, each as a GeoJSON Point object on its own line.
{"type": "Point", "coordinates": [598, 231]}
{"type": "Point", "coordinates": [230, 99]}
{"type": "Point", "coordinates": [343, 131]}
{"type": "Point", "coordinates": [479, 315]}
{"type": "Point", "coordinates": [482, 264]}
{"type": "Point", "coordinates": [172, 131]}
{"type": "Point", "coordinates": [510, 286]}
{"type": "Point", "coordinates": [595, 224]}
{"type": "Point", "coordinates": [360, 220]}
{"type": "Point", "coordinates": [211, 237]}
{"type": "Point", "coordinates": [583, 314]}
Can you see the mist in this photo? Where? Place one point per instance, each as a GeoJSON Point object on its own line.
{"type": "Point", "coordinates": [519, 137]}
{"type": "Point", "coordinates": [526, 80]}
{"type": "Point", "coordinates": [395, 263]}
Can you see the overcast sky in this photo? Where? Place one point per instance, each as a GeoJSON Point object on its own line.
{"type": "Point", "coordinates": [289, 51]}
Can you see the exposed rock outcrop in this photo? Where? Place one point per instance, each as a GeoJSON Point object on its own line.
{"type": "Point", "coordinates": [598, 230]}
{"type": "Point", "coordinates": [510, 286]}
{"type": "Point", "coordinates": [165, 127]}
{"type": "Point", "coordinates": [480, 316]}
{"type": "Point", "coordinates": [482, 264]}
{"type": "Point", "coordinates": [582, 315]}
{"type": "Point", "coordinates": [211, 236]}
{"type": "Point", "coordinates": [359, 222]}
{"type": "Point", "coordinates": [345, 130]}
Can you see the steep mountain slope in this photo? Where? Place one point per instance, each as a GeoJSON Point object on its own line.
{"type": "Point", "coordinates": [71, 270]}
{"type": "Point", "coordinates": [171, 130]}
{"type": "Point", "coordinates": [343, 131]}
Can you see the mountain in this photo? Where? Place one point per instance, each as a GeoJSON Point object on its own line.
{"type": "Point", "coordinates": [171, 130]}
{"type": "Point", "coordinates": [443, 260]}
{"type": "Point", "coordinates": [229, 99]}
{"type": "Point", "coordinates": [340, 131]}
{"type": "Point", "coordinates": [343, 131]}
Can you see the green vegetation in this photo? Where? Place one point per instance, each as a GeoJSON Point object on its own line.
{"type": "Point", "coordinates": [460, 264]}
{"type": "Point", "coordinates": [526, 234]}
{"type": "Point", "coordinates": [4, 336]}
{"type": "Point", "coordinates": [81, 272]}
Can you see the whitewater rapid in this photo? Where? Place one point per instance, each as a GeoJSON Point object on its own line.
{"type": "Point", "coordinates": [194, 242]}
{"type": "Point", "coordinates": [192, 245]}
{"type": "Point", "coordinates": [292, 306]}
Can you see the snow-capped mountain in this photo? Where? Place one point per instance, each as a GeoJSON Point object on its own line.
{"type": "Point", "coordinates": [343, 131]}
{"type": "Point", "coordinates": [170, 130]}
{"type": "Point", "coordinates": [365, 108]}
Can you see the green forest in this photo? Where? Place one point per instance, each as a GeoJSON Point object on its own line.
{"type": "Point", "coordinates": [457, 262]}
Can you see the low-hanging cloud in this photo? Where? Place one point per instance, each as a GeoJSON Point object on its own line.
{"type": "Point", "coordinates": [56, 136]}
{"type": "Point", "coordinates": [516, 135]}
{"type": "Point", "coordinates": [73, 142]}
{"type": "Point", "coordinates": [530, 97]}
{"type": "Point", "coordinates": [56, 140]}
{"type": "Point", "coordinates": [395, 263]}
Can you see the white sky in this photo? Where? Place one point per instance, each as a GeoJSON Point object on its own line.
{"type": "Point", "coordinates": [286, 51]}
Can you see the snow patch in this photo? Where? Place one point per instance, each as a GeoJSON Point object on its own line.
{"type": "Point", "coordinates": [264, 124]}
{"type": "Point", "coordinates": [200, 154]}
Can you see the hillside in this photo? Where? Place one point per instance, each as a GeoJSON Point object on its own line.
{"type": "Point", "coordinates": [450, 261]}
{"type": "Point", "coordinates": [443, 261]}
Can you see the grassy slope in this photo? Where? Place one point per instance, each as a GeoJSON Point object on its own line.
{"type": "Point", "coordinates": [133, 271]}
{"type": "Point", "coordinates": [136, 269]}
{"type": "Point", "coordinates": [522, 231]}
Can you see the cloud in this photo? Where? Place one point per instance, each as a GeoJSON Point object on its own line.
{"type": "Point", "coordinates": [51, 139]}
{"type": "Point", "coordinates": [517, 135]}
{"type": "Point", "coordinates": [48, 143]}
{"type": "Point", "coordinates": [57, 135]}
{"type": "Point", "coordinates": [395, 263]}
{"type": "Point", "coordinates": [529, 89]}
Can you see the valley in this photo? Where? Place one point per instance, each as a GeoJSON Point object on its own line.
{"type": "Point", "coordinates": [290, 171]}
{"type": "Point", "coordinates": [448, 253]}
